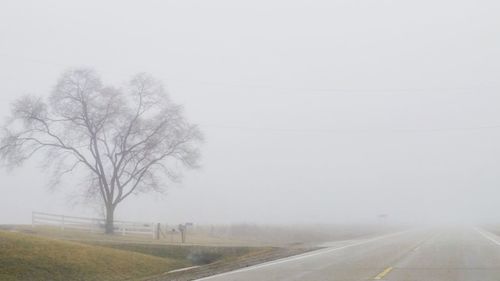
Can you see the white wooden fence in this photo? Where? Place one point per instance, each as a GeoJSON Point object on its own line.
{"type": "Point", "coordinates": [94, 225]}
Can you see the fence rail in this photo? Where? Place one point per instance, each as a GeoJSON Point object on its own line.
{"type": "Point", "coordinates": [94, 225]}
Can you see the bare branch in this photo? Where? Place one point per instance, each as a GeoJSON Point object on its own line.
{"type": "Point", "coordinates": [124, 139]}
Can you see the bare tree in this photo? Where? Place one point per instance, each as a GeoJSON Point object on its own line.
{"type": "Point", "coordinates": [127, 140]}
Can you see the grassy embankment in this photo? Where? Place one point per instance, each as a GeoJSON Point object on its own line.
{"type": "Point", "coordinates": [26, 257]}
{"type": "Point", "coordinates": [29, 257]}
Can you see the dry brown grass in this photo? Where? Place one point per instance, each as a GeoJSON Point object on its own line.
{"type": "Point", "coordinates": [26, 257]}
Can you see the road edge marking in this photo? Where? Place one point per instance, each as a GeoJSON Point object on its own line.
{"type": "Point", "coordinates": [487, 236]}
{"type": "Point", "coordinates": [383, 273]}
{"type": "Point", "coordinates": [183, 269]}
{"type": "Point", "coordinates": [302, 256]}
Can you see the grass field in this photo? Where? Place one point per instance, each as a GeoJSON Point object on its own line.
{"type": "Point", "coordinates": [25, 257]}
{"type": "Point", "coordinates": [193, 238]}
{"type": "Point", "coordinates": [227, 235]}
{"type": "Point", "coordinates": [31, 257]}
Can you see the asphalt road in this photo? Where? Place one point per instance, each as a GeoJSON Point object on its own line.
{"type": "Point", "coordinates": [456, 254]}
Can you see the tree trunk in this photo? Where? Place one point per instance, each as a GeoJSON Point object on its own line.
{"type": "Point", "coordinates": [109, 227]}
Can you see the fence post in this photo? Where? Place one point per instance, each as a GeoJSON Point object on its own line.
{"type": "Point", "coordinates": [156, 234]}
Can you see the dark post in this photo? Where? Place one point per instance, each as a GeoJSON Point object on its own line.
{"type": "Point", "coordinates": [182, 230]}
{"type": "Point", "coordinates": [158, 225]}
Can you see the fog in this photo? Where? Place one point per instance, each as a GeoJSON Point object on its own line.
{"type": "Point", "coordinates": [312, 111]}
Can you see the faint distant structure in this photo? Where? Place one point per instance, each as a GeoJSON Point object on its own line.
{"type": "Point", "coordinates": [383, 218]}
{"type": "Point", "coordinates": [127, 140]}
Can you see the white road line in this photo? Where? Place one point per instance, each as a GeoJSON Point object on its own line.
{"type": "Point", "coordinates": [183, 269]}
{"type": "Point", "coordinates": [487, 236]}
{"type": "Point", "coordinates": [303, 256]}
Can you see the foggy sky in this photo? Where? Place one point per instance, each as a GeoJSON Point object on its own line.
{"type": "Point", "coordinates": [313, 111]}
